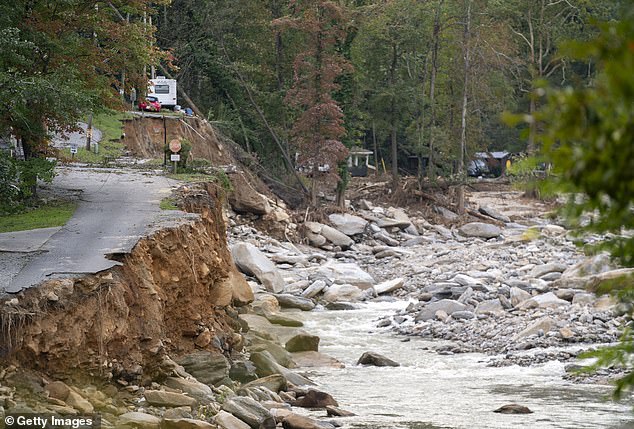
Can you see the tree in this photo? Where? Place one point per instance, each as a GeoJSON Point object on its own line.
{"type": "Point", "coordinates": [588, 134]}
{"type": "Point", "coordinates": [318, 129]}
{"type": "Point", "coordinates": [60, 60]}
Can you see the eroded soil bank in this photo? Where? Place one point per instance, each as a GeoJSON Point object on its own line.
{"type": "Point", "coordinates": [172, 295]}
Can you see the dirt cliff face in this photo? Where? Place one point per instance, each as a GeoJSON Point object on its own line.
{"type": "Point", "coordinates": [172, 294]}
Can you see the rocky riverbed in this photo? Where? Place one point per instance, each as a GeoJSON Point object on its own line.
{"type": "Point", "coordinates": [508, 284]}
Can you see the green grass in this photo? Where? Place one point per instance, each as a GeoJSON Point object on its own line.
{"type": "Point", "coordinates": [54, 214]}
{"type": "Point", "coordinates": [110, 146]}
{"type": "Point", "coordinates": [168, 204]}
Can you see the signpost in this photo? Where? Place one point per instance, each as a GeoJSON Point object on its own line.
{"type": "Point", "coordinates": [175, 147]}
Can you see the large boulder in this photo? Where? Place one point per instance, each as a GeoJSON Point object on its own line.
{"type": "Point", "coordinates": [138, 420]}
{"type": "Point", "coordinates": [336, 237]}
{"type": "Point", "coordinates": [254, 263]}
{"type": "Point", "coordinates": [209, 368]}
{"type": "Point", "coordinates": [347, 273]}
{"type": "Point", "coordinates": [250, 411]}
{"type": "Point", "coordinates": [543, 325]}
{"type": "Point", "coordinates": [448, 306]}
{"type": "Point", "coordinates": [542, 270]}
{"type": "Point", "coordinates": [546, 300]}
{"type": "Point", "coordinates": [337, 293]}
{"type": "Point", "coordinates": [491, 212]}
{"type": "Point", "coordinates": [274, 382]}
{"type": "Point", "coordinates": [160, 398]}
{"type": "Point", "coordinates": [241, 292]}
{"type": "Point", "coordinates": [266, 365]}
{"type": "Point", "coordinates": [229, 421]}
{"type": "Point", "coordinates": [518, 296]}
{"type": "Point", "coordinates": [244, 199]}
{"type": "Point", "coordinates": [375, 359]}
{"type": "Point", "coordinates": [315, 399]}
{"type": "Point", "coordinates": [348, 224]}
{"type": "Point", "coordinates": [303, 343]}
{"type": "Point", "coordinates": [291, 301]}
{"type": "Point", "coordinates": [295, 421]}
{"type": "Point", "coordinates": [389, 286]}
{"type": "Point", "coordinates": [192, 387]}
{"type": "Point", "coordinates": [480, 230]}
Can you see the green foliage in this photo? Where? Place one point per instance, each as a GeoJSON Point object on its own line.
{"type": "Point", "coordinates": [588, 133]}
{"type": "Point", "coordinates": [168, 204]}
{"type": "Point", "coordinates": [54, 214]}
{"type": "Point", "coordinates": [18, 180]}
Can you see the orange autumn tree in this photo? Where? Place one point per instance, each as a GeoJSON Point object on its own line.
{"type": "Point", "coordinates": [316, 133]}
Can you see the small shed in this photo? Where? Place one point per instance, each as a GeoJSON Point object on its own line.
{"type": "Point", "coordinates": [359, 162]}
{"type": "Point", "coordinates": [493, 163]}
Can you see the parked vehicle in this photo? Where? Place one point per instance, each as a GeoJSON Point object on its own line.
{"type": "Point", "coordinates": [164, 90]}
{"type": "Point", "coordinates": [150, 104]}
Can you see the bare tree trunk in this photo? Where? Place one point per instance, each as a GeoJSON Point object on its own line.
{"type": "Point", "coordinates": [394, 143]}
{"type": "Point", "coordinates": [432, 89]}
{"type": "Point", "coordinates": [376, 150]}
{"type": "Point", "coordinates": [89, 132]}
{"type": "Point", "coordinates": [463, 134]}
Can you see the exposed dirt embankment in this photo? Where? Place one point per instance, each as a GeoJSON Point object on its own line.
{"type": "Point", "coordinates": [172, 294]}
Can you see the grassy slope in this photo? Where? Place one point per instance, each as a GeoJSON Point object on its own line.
{"type": "Point", "coordinates": [56, 214]}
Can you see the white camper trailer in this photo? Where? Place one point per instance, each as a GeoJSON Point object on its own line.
{"type": "Point", "coordinates": [164, 90]}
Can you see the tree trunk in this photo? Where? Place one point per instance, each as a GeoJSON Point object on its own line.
{"type": "Point", "coordinates": [89, 132]}
{"type": "Point", "coordinates": [394, 144]}
{"type": "Point", "coordinates": [376, 150]}
{"type": "Point", "coordinates": [463, 134]}
{"type": "Point", "coordinates": [432, 89]}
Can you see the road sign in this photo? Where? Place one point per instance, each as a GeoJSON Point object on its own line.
{"type": "Point", "coordinates": [73, 149]}
{"type": "Point", "coordinates": [175, 145]}
{"type": "Point", "coordinates": [175, 158]}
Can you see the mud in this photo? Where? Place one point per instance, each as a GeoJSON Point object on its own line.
{"type": "Point", "coordinates": [126, 323]}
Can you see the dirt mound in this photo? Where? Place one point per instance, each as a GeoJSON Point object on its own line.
{"type": "Point", "coordinates": [176, 285]}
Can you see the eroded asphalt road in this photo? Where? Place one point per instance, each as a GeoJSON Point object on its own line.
{"type": "Point", "coordinates": [115, 209]}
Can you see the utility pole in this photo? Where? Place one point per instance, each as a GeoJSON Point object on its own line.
{"type": "Point", "coordinates": [89, 132]}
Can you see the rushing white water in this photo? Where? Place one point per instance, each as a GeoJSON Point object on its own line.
{"type": "Point", "coordinates": [432, 391]}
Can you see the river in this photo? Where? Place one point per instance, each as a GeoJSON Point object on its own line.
{"type": "Point", "coordinates": [430, 391]}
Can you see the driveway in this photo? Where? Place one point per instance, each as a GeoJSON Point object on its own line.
{"type": "Point", "coordinates": [116, 208]}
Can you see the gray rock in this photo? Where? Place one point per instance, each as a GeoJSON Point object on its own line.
{"type": "Point", "coordinates": [340, 306]}
{"type": "Point", "coordinates": [347, 273]}
{"type": "Point", "coordinates": [274, 382]}
{"type": "Point", "coordinates": [546, 300]}
{"type": "Point", "coordinates": [480, 230]}
{"type": "Point", "coordinates": [465, 280]}
{"type": "Point", "coordinates": [542, 270]}
{"type": "Point", "coordinates": [465, 315]}
{"type": "Point", "coordinates": [206, 367]}
{"type": "Point", "coordinates": [138, 420]}
{"type": "Point", "coordinates": [315, 399]}
{"type": "Point", "coordinates": [513, 409]}
{"type": "Point", "coordinates": [375, 359]}
{"type": "Point", "coordinates": [229, 421]}
{"type": "Point", "coordinates": [518, 296]}
{"type": "Point", "coordinates": [292, 301]}
{"type": "Point", "coordinates": [584, 298]}
{"type": "Point", "coordinates": [449, 306]}
{"type": "Point", "coordinates": [492, 306]}
{"type": "Point", "coordinates": [250, 411]}
{"type": "Point", "coordinates": [545, 324]}
{"type": "Point", "coordinates": [253, 262]}
{"type": "Point", "coordinates": [345, 292]}
{"type": "Point", "coordinates": [336, 237]}
{"type": "Point", "coordinates": [296, 421]}
{"type": "Point", "coordinates": [348, 224]}
{"type": "Point", "coordinates": [314, 289]}
{"type": "Point", "coordinates": [266, 365]}
{"type": "Point", "coordinates": [192, 387]}
{"type": "Point", "coordinates": [389, 286]}
{"type": "Point", "coordinates": [491, 212]}
{"type": "Point", "coordinates": [381, 236]}
{"type": "Point", "coordinates": [447, 214]}
{"type": "Point", "coordinates": [303, 343]}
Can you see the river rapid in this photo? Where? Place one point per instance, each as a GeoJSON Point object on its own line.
{"type": "Point", "coordinates": [431, 391]}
